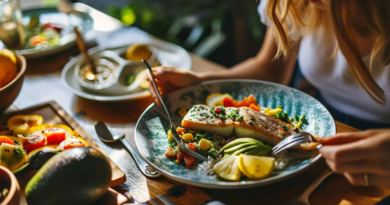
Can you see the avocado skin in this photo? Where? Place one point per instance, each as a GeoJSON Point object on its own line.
{"type": "Point", "coordinates": [78, 176]}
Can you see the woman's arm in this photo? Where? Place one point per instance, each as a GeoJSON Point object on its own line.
{"type": "Point", "coordinates": [262, 67]}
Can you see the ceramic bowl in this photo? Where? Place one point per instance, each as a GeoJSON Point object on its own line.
{"type": "Point", "coordinates": [13, 197]}
{"type": "Point", "coordinates": [9, 92]}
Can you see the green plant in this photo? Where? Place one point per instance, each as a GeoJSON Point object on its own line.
{"type": "Point", "coordinates": [198, 25]}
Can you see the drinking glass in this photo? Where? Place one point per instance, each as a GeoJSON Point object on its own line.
{"type": "Point", "coordinates": [11, 27]}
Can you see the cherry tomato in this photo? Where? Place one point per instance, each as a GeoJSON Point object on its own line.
{"type": "Point", "coordinates": [53, 26]}
{"type": "Point", "coordinates": [55, 135]}
{"type": "Point", "coordinates": [181, 130]}
{"type": "Point", "coordinates": [4, 139]}
{"type": "Point", "coordinates": [188, 159]}
{"type": "Point", "coordinates": [192, 147]}
{"type": "Point", "coordinates": [34, 142]}
{"type": "Point", "coordinates": [218, 110]}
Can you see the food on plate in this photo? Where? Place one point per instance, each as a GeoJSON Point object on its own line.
{"type": "Point", "coordinates": [236, 136]}
{"type": "Point", "coordinates": [137, 52]}
{"type": "Point", "coordinates": [75, 176]}
{"type": "Point", "coordinates": [12, 156]}
{"type": "Point", "coordinates": [33, 143]}
{"type": "Point", "coordinates": [255, 167]}
{"type": "Point", "coordinates": [228, 169]}
{"type": "Point", "coordinates": [8, 67]}
{"type": "Point", "coordinates": [142, 78]}
{"type": "Point", "coordinates": [42, 36]}
{"type": "Point", "coordinates": [20, 124]}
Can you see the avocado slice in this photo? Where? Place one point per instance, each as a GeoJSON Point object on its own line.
{"type": "Point", "coordinates": [75, 176]}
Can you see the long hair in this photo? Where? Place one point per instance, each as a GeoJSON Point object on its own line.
{"type": "Point", "coordinates": [368, 18]}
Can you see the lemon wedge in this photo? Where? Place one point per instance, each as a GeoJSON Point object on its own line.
{"type": "Point", "coordinates": [142, 78]}
{"type": "Point", "coordinates": [255, 167]}
{"type": "Point", "coordinates": [215, 99]}
{"type": "Point", "coordinates": [137, 52]}
{"type": "Point", "coordinates": [8, 68]}
{"type": "Point", "coordinates": [228, 169]}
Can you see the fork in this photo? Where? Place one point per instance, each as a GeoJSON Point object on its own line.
{"type": "Point", "coordinates": [303, 199]}
{"type": "Point", "coordinates": [172, 127]}
{"type": "Point", "coordinates": [292, 141]}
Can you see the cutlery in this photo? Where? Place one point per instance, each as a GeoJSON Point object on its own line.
{"type": "Point", "coordinates": [292, 141]}
{"type": "Point", "coordinates": [65, 7]}
{"type": "Point", "coordinates": [176, 135]}
{"type": "Point", "coordinates": [303, 199]}
{"type": "Point", "coordinates": [106, 136]}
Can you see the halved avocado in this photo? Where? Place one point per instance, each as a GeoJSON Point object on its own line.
{"type": "Point", "coordinates": [75, 176]}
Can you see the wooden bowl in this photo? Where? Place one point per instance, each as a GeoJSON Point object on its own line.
{"type": "Point", "coordinates": [13, 197]}
{"type": "Point", "coordinates": [9, 92]}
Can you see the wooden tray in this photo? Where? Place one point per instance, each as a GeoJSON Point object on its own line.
{"type": "Point", "coordinates": [52, 113]}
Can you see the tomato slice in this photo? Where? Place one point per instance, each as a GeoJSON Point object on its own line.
{"type": "Point", "coordinates": [192, 147]}
{"type": "Point", "coordinates": [188, 159]}
{"type": "Point", "coordinates": [4, 139]}
{"type": "Point", "coordinates": [181, 130]}
{"type": "Point", "coordinates": [55, 135]}
{"type": "Point", "coordinates": [34, 142]}
{"type": "Point", "coordinates": [179, 157]}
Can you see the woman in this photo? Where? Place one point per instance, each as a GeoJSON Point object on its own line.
{"type": "Point", "coordinates": [343, 47]}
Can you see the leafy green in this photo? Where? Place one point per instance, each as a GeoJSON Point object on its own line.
{"type": "Point", "coordinates": [203, 135]}
{"type": "Point", "coordinates": [130, 79]}
{"type": "Point", "coordinates": [172, 143]}
{"type": "Point", "coordinates": [283, 116]}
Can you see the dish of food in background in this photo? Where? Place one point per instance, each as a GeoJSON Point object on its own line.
{"type": "Point", "coordinates": [128, 81]}
{"type": "Point", "coordinates": [12, 72]}
{"type": "Point", "coordinates": [116, 74]}
{"type": "Point", "coordinates": [151, 136]}
{"type": "Point", "coordinates": [47, 31]}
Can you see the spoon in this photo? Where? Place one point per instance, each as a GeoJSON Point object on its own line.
{"type": "Point", "coordinates": [106, 136]}
{"type": "Point", "coordinates": [176, 135]}
{"type": "Point", "coordinates": [91, 74]}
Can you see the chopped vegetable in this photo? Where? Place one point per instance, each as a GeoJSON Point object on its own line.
{"type": "Point", "coordinates": [188, 137]}
{"type": "Point", "coordinates": [34, 142]}
{"type": "Point", "coordinates": [181, 130]}
{"type": "Point", "coordinates": [192, 147]}
{"type": "Point", "coordinates": [4, 139]}
{"type": "Point", "coordinates": [169, 152]}
{"type": "Point", "coordinates": [55, 135]}
{"type": "Point", "coordinates": [130, 79]}
{"type": "Point", "coordinates": [170, 136]}
{"type": "Point", "coordinates": [204, 144]}
{"type": "Point", "coordinates": [188, 159]}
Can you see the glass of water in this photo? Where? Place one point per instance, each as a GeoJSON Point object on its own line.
{"type": "Point", "coordinates": [11, 27]}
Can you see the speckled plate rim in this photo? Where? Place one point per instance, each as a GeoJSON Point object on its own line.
{"type": "Point", "coordinates": [231, 185]}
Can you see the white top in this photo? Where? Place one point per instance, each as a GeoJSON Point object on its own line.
{"type": "Point", "coordinates": [332, 76]}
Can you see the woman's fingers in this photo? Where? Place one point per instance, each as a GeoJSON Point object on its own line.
{"type": "Point", "coordinates": [355, 151]}
{"type": "Point", "coordinates": [381, 167]}
{"type": "Point", "coordinates": [373, 180]}
{"type": "Point", "coordinates": [343, 138]}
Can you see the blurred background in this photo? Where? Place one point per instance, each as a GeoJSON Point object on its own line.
{"type": "Point", "coordinates": [224, 31]}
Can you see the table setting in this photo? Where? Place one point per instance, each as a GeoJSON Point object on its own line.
{"type": "Point", "coordinates": [83, 74]}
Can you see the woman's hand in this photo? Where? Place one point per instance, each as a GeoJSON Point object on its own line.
{"type": "Point", "coordinates": [360, 153]}
{"type": "Point", "coordinates": [169, 79]}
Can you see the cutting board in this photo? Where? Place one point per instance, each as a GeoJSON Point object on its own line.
{"type": "Point", "coordinates": [52, 113]}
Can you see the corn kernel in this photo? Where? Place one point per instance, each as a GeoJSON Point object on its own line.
{"type": "Point", "coordinates": [204, 144]}
{"type": "Point", "coordinates": [170, 136]}
{"type": "Point", "coordinates": [188, 137]}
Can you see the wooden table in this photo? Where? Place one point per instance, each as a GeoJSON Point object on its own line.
{"type": "Point", "coordinates": [42, 83]}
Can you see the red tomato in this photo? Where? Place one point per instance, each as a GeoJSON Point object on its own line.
{"type": "Point", "coordinates": [55, 135]}
{"type": "Point", "coordinates": [181, 130]}
{"type": "Point", "coordinates": [179, 157]}
{"type": "Point", "coordinates": [218, 110]}
{"type": "Point", "coordinates": [227, 102]}
{"type": "Point", "coordinates": [188, 159]}
{"type": "Point", "coordinates": [192, 147]}
{"type": "Point", "coordinates": [255, 107]}
{"type": "Point", "coordinates": [34, 142]}
{"type": "Point", "coordinates": [4, 139]}
{"type": "Point", "coordinates": [50, 25]}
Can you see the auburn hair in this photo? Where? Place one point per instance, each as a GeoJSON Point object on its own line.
{"type": "Point", "coordinates": [368, 18]}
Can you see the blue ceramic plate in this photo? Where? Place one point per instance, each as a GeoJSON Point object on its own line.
{"type": "Point", "coordinates": [151, 139]}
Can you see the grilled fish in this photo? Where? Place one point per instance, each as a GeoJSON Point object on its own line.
{"type": "Point", "coordinates": [240, 122]}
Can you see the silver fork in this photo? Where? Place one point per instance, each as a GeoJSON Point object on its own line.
{"type": "Point", "coordinates": [292, 141]}
{"type": "Point", "coordinates": [176, 135]}
{"type": "Point", "coordinates": [303, 199]}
